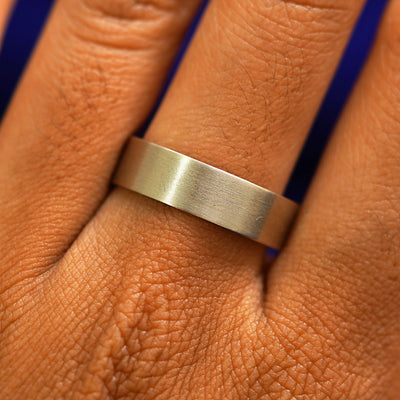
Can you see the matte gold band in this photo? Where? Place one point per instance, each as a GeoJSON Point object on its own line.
{"type": "Point", "coordinates": [205, 191]}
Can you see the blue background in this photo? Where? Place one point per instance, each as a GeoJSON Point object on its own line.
{"type": "Point", "coordinates": [29, 16]}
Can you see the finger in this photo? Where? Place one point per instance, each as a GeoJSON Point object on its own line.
{"type": "Point", "coordinates": [5, 8]}
{"type": "Point", "coordinates": [92, 81]}
{"type": "Point", "coordinates": [236, 99]}
{"type": "Point", "coordinates": [342, 267]}
{"type": "Point", "coordinates": [192, 290]}
{"type": "Point", "coordinates": [235, 104]}
{"type": "Point", "coordinates": [262, 66]}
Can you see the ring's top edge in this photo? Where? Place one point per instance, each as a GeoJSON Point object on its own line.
{"type": "Point", "coordinates": [219, 170]}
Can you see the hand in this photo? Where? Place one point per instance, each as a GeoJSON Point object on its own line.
{"type": "Point", "coordinates": [111, 295]}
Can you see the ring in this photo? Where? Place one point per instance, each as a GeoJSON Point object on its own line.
{"type": "Point", "coordinates": [206, 192]}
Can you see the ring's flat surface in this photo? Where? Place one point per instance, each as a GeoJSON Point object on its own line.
{"type": "Point", "coordinates": [205, 191]}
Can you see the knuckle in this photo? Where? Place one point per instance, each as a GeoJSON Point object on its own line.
{"type": "Point", "coordinates": [143, 343]}
{"type": "Point", "coordinates": [162, 354]}
{"type": "Point", "coordinates": [124, 24]}
{"type": "Point", "coordinates": [164, 319]}
{"type": "Point", "coordinates": [151, 343]}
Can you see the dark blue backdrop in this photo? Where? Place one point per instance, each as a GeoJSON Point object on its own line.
{"type": "Point", "coordinates": [29, 15]}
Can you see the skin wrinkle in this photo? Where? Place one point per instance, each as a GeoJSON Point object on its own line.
{"type": "Point", "coordinates": [323, 324]}
{"type": "Point", "coordinates": [115, 18]}
{"type": "Point", "coordinates": [253, 133]}
{"type": "Point", "coordinates": [145, 314]}
{"type": "Point", "coordinates": [317, 5]}
{"type": "Point", "coordinates": [366, 299]}
{"type": "Point", "coordinates": [122, 10]}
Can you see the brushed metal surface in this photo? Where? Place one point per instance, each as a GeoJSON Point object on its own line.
{"type": "Point", "coordinates": [205, 191]}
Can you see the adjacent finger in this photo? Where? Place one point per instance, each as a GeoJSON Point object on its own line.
{"type": "Point", "coordinates": [5, 9]}
{"type": "Point", "coordinates": [341, 268]}
{"type": "Point", "coordinates": [92, 81]}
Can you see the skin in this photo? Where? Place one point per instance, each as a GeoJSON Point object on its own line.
{"type": "Point", "coordinates": [105, 294]}
{"type": "Point", "coordinates": [4, 12]}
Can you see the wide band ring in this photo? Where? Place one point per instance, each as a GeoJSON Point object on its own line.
{"type": "Point", "coordinates": [205, 191]}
